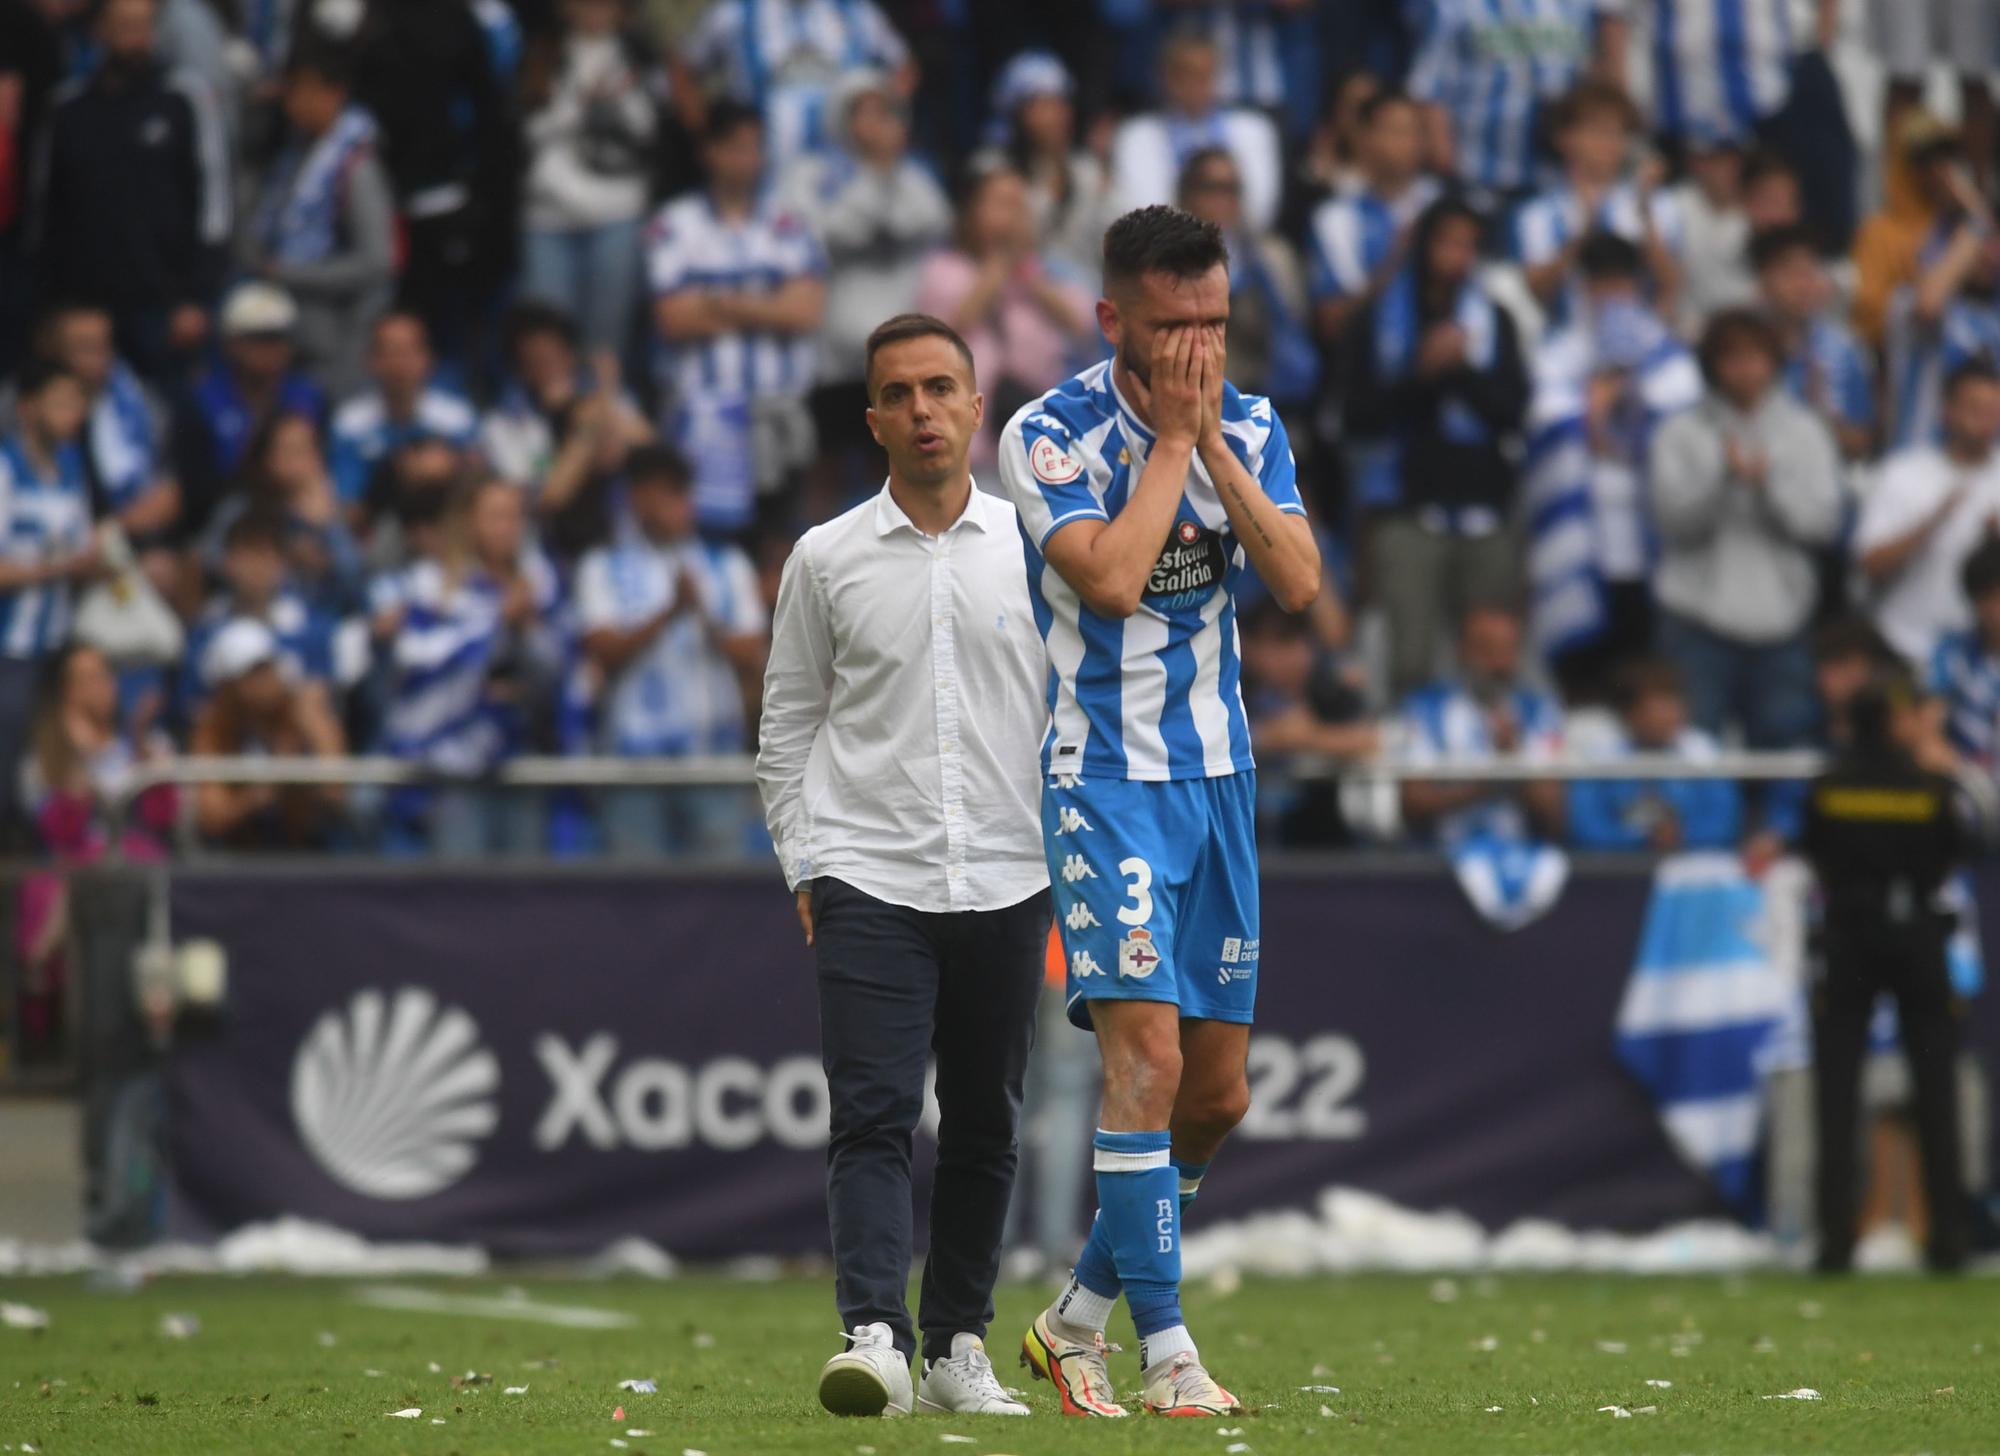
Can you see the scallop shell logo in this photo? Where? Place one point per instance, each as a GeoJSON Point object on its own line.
{"type": "Point", "coordinates": [392, 1093]}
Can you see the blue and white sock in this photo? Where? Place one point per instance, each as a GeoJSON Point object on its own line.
{"type": "Point", "coordinates": [1088, 1299]}
{"type": "Point", "coordinates": [1138, 1201]}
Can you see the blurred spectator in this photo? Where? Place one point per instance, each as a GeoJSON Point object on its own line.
{"type": "Point", "coordinates": [1270, 344]}
{"type": "Point", "coordinates": [1773, 196]}
{"type": "Point", "coordinates": [1488, 710]}
{"type": "Point", "coordinates": [254, 710]}
{"type": "Point", "coordinates": [559, 431]}
{"type": "Point", "coordinates": [1021, 320]}
{"type": "Point", "coordinates": [1034, 129]}
{"type": "Point", "coordinates": [325, 227]}
{"type": "Point", "coordinates": [1965, 670]}
{"type": "Point", "coordinates": [256, 587]}
{"type": "Point", "coordinates": [1826, 369]}
{"type": "Point", "coordinates": [1360, 235]}
{"type": "Point", "coordinates": [1602, 389]}
{"type": "Point", "coordinates": [465, 634]}
{"type": "Point", "coordinates": [781, 58]}
{"type": "Point", "coordinates": [1149, 150]}
{"type": "Point", "coordinates": [739, 291]}
{"type": "Point", "coordinates": [1331, 162]}
{"type": "Point", "coordinates": [424, 69]}
{"type": "Point", "coordinates": [403, 405]}
{"type": "Point", "coordinates": [1436, 400]}
{"type": "Point", "coordinates": [676, 630]}
{"type": "Point", "coordinates": [31, 67]}
{"type": "Point", "coordinates": [1738, 68]}
{"type": "Point", "coordinates": [1664, 815]}
{"type": "Point", "coordinates": [46, 548]}
{"type": "Point", "coordinates": [285, 480]}
{"type": "Point", "coordinates": [877, 212]}
{"type": "Point", "coordinates": [83, 758]}
{"type": "Point", "coordinates": [1485, 69]}
{"type": "Point", "coordinates": [1933, 505]}
{"type": "Point", "coordinates": [1919, 160]}
{"type": "Point", "coordinates": [1950, 315]}
{"type": "Point", "coordinates": [1596, 127]}
{"type": "Point", "coordinates": [1745, 490]}
{"type": "Point", "coordinates": [592, 98]}
{"type": "Point", "coordinates": [1715, 233]}
{"type": "Point", "coordinates": [254, 379]}
{"type": "Point", "coordinates": [127, 455]}
{"type": "Point", "coordinates": [1300, 705]}
{"type": "Point", "coordinates": [1960, 35]}
{"type": "Point", "coordinates": [1266, 53]}
{"type": "Point", "coordinates": [131, 196]}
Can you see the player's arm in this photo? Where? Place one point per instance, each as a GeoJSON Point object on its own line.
{"type": "Point", "coordinates": [1280, 543]}
{"type": "Point", "coordinates": [1109, 562]}
{"type": "Point", "coordinates": [798, 693]}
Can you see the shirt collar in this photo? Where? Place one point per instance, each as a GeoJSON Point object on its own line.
{"type": "Point", "coordinates": [889, 517]}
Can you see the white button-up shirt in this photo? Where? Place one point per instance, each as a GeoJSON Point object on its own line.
{"type": "Point", "coordinates": [904, 708]}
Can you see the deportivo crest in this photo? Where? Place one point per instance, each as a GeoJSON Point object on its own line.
{"type": "Point", "coordinates": [1051, 464]}
{"type": "Point", "coordinates": [1136, 957]}
{"type": "Point", "coordinates": [1188, 570]}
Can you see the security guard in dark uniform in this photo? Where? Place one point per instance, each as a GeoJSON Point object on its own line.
{"type": "Point", "coordinates": [1884, 835]}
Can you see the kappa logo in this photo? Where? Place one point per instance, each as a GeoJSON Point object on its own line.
{"type": "Point", "coordinates": [1071, 821]}
{"type": "Point", "coordinates": [1083, 965]}
{"type": "Point", "coordinates": [1075, 868]}
{"type": "Point", "coordinates": [392, 1093]}
{"type": "Point", "coordinates": [1136, 957]}
{"type": "Point", "coordinates": [1080, 918]}
{"type": "Point", "coordinates": [1051, 463]}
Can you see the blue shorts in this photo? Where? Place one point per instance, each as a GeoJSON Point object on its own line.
{"type": "Point", "coordinates": [1156, 892]}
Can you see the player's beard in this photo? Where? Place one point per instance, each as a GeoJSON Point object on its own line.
{"type": "Point", "coordinates": [1133, 365]}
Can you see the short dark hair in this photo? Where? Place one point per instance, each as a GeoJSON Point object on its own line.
{"type": "Point", "coordinates": [1977, 370]}
{"type": "Point", "coordinates": [662, 463]}
{"type": "Point", "coordinates": [1980, 576]}
{"type": "Point", "coordinates": [1731, 329]}
{"type": "Point", "coordinates": [534, 316]}
{"type": "Point", "coordinates": [728, 116]}
{"type": "Point", "coordinates": [1646, 677]}
{"type": "Point", "coordinates": [1851, 636]}
{"type": "Point", "coordinates": [1381, 101]}
{"type": "Point", "coordinates": [324, 62]}
{"type": "Point", "coordinates": [1592, 94]}
{"type": "Point", "coordinates": [1199, 159]}
{"type": "Point", "coordinates": [905, 327]}
{"type": "Point", "coordinates": [1605, 256]}
{"type": "Point", "coordinates": [1161, 239]}
{"type": "Point", "coordinates": [1762, 165]}
{"type": "Point", "coordinates": [255, 529]}
{"type": "Point", "coordinates": [1776, 243]}
{"type": "Point", "coordinates": [37, 374]}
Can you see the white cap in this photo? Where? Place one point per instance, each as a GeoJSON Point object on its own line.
{"type": "Point", "coordinates": [243, 645]}
{"type": "Point", "coordinates": [258, 308]}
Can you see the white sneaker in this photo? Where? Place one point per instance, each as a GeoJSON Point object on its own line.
{"type": "Point", "coordinates": [869, 1378]}
{"type": "Point", "coordinates": [963, 1383]}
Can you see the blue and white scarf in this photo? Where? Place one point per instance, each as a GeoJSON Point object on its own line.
{"type": "Point", "coordinates": [300, 217]}
{"type": "Point", "coordinates": [1398, 331]}
{"type": "Point", "coordinates": [124, 448]}
{"type": "Point", "coordinates": [1564, 565]}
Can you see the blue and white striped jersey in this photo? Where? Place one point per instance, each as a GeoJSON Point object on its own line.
{"type": "Point", "coordinates": [441, 709]}
{"type": "Point", "coordinates": [1551, 220]}
{"type": "Point", "coordinates": [1445, 721]}
{"type": "Point", "coordinates": [1157, 695]}
{"type": "Point", "coordinates": [783, 56]}
{"type": "Point", "coordinates": [364, 433]}
{"type": "Point", "coordinates": [1832, 375]}
{"type": "Point", "coordinates": [305, 643]}
{"type": "Point", "coordinates": [1922, 356]}
{"type": "Point", "coordinates": [1967, 676]}
{"type": "Point", "coordinates": [1719, 66]}
{"type": "Point", "coordinates": [41, 518]}
{"type": "Point", "coordinates": [1491, 64]}
{"type": "Point", "coordinates": [1354, 232]}
{"type": "Point", "coordinates": [689, 245]}
{"type": "Point", "coordinates": [680, 694]}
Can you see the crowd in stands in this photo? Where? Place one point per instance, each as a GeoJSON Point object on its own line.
{"type": "Point", "coordinates": [448, 379]}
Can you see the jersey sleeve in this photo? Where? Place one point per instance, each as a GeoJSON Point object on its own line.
{"type": "Point", "coordinates": [1276, 470]}
{"type": "Point", "coordinates": [884, 43]}
{"type": "Point", "coordinates": [596, 603]}
{"type": "Point", "coordinates": [1046, 475]}
{"type": "Point", "coordinates": [668, 260]}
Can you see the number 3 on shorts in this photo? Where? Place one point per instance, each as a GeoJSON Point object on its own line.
{"type": "Point", "coordinates": [1139, 886]}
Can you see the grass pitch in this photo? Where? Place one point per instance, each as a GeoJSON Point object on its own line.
{"type": "Point", "coordinates": [1901, 1365]}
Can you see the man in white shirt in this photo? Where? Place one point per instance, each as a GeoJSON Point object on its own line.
{"type": "Point", "coordinates": [1932, 507]}
{"type": "Point", "coordinates": [1149, 150]}
{"type": "Point", "coordinates": [904, 708]}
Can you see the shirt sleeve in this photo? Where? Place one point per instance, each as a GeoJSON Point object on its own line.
{"type": "Point", "coordinates": [667, 259]}
{"type": "Point", "coordinates": [884, 43]}
{"type": "Point", "coordinates": [798, 690]}
{"type": "Point", "coordinates": [1046, 476]}
{"type": "Point", "coordinates": [1276, 470]}
{"type": "Point", "coordinates": [596, 603]}
{"type": "Point", "coordinates": [1898, 503]}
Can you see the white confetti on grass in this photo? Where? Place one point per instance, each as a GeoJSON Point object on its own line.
{"type": "Point", "coordinates": [1804, 1392]}
{"type": "Point", "coordinates": [1444, 1291]}
{"type": "Point", "coordinates": [1236, 1448]}
{"type": "Point", "coordinates": [328, 1339]}
{"type": "Point", "coordinates": [1612, 1347]}
{"type": "Point", "coordinates": [1617, 1412]}
{"type": "Point", "coordinates": [409, 1414]}
{"type": "Point", "coordinates": [1320, 1389]}
{"type": "Point", "coordinates": [636, 1434]}
{"type": "Point", "coordinates": [23, 1316]}
{"type": "Point", "coordinates": [1661, 1384]}
{"type": "Point", "coordinates": [1487, 1343]}
{"type": "Point", "coordinates": [515, 1390]}
{"type": "Point", "coordinates": [1494, 1410]}
{"type": "Point", "coordinates": [1326, 1410]}
{"type": "Point", "coordinates": [437, 1420]}
{"type": "Point", "coordinates": [406, 1300]}
{"type": "Point", "coordinates": [179, 1326]}
{"type": "Point", "coordinates": [640, 1387]}
{"type": "Point", "coordinates": [958, 1440]}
